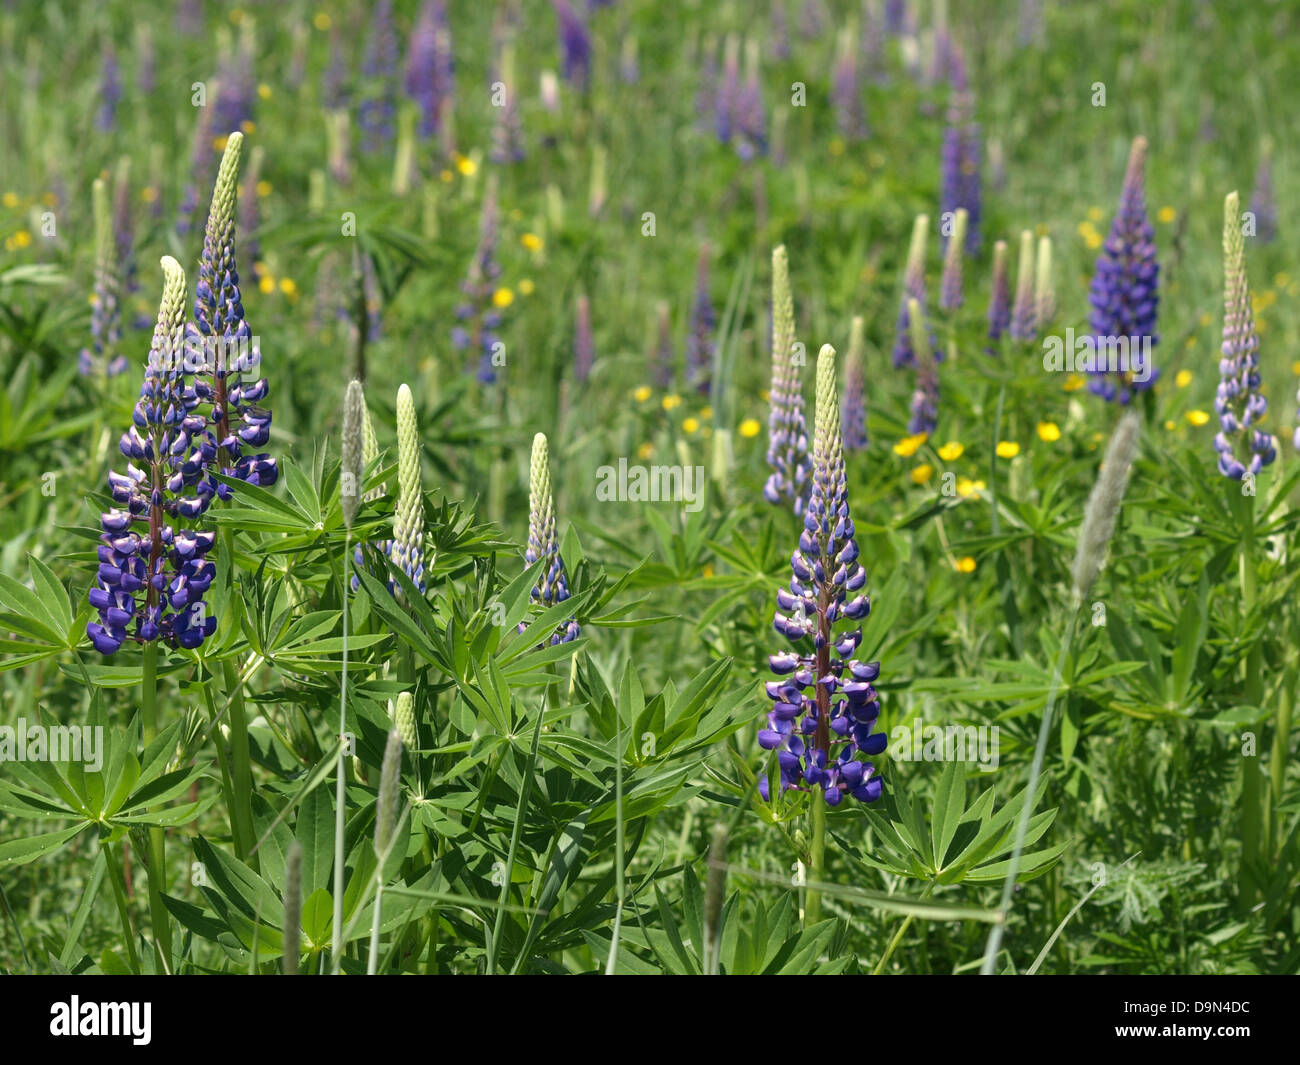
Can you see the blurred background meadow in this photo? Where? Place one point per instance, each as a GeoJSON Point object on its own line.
{"type": "Point", "coordinates": [559, 217]}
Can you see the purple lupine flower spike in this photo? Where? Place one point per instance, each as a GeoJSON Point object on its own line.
{"type": "Point", "coordinates": [1024, 327]}
{"type": "Point", "coordinates": [787, 435]}
{"type": "Point", "coordinates": [153, 569]}
{"type": "Point", "coordinates": [200, 167]}
{"type": "Point", "coordinates": [110, 90]}
{"type": "Point", "coordinates": [575, 44]}
{"type": "Point", "coordinates": [846, 90]}
{"type": "Point", "coordinates": [1124, 289]}
{"type": "Point", "coordinates": [379, 104]}
{"type": "Point", "coordinates": [913, 289]}
{"type": "Point", "coordinates": [478, 319]}
{"type": "Point", "coordinates": [824, 704]}
{"type": "Point", "coordinates": [950, 285]}
{"type": "Point", "coordinates": [584, 350]}
{"type": "Point", "coordinates": [430, 68]}
{"type": "Point", "coordinates": [999, 316]}
{"type": "Point", "coordinates": [925, 398]}
{"type": "Point", "coordinates": [779, 31]}
{"type": "Point", "coordinates": [1243, 448]}
{"type": "Point", "coordinates": [700, 341]}
{"type": "Point", "coordinates": [552, 586]}
{"type": "Point", "coordinates": [1262, 201]}
{"type": "Point", "coordinates": [334, 87]}
{"type": "Point", "coordinates": [855, 404]}
{"type": "Point", "coordinates": [227, 349]}
{"type": "Point", "coordinates": [507, 133]}
{"type": "Point", "coordinates": [961, 154]}
{"type": "Point", "coordinates": [103, 357]}
{"type": "Point", "coordinates": [749, 119]}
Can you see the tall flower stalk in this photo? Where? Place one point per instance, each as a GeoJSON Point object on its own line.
{"type": "Point", "coordinates": [552, 586]}
{"type": "Point", "coordinates": [855, 403]}
{"type": "Point", "coordinates": [103, 357]}
{"type": "Point", "coordinates": [1242, 447]}
{"type": "Point", "coordinates": [1024, 326]}
{"type": "Point", "coordinates": [999, 314]}
{"type": "Point", "coordinates": [913, 289]}
{"type": "Point", "coordinates": [1124, 288]}
{"type": "Point", "coordinates": [925, 397]}
{"type": "Point", "coordinates": [153, 572]}
{"type": "Point", "coordinates": [407, 549]}
{"type": "Point", "coordinates": [787, 434]}
{"type": "Point", "coordinates": [699, 340]}
{"type": "Point", "coordinates": [824, 705]}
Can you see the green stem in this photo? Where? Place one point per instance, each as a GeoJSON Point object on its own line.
{"type": "Point", "coordinates": [817, 867]}
{"type": "Point", "coordinates": [525, 788]}
{"type": "Point", "coordinates": [893, 944]}
{"type": "Point", "coordinates": [157, 865]}
{"type": "Point", "coordinates": [340, 789]}
{"type": "Point", "coordinates": [1281, 751]}
{"type": "Point", "coordinates": [241, 762]}
{"type": "Point", "coordinates": [994, 944]}
{"type": "Point", "coordinates": [1252, 797]}
{"type": "Point", "coordinates": [115, 878]}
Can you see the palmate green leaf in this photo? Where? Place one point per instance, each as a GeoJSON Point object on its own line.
{"type": "Point", "coordinates": [28, 849]}
{"type": "Point", "coordinates": [949, 806]}
{"type": "Point", "coordinates": [231, 881]}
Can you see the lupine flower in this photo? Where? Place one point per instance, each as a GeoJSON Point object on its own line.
{"type": "Point", "coordinates": [950, 287]}
{"type": "Point", "coordinates": [824, 705]}
{"type": "Point", "coordinates": [352, 466]}
{"type": "Point", "coordinates": [787, 435]}
{"type": "Point", "coordinates": [846, 90]}
{"type": "Point", "coordinates": [403, 715]}
{"type": "Point", "coordinates": [1123, 293]}
{"type": "Point", "coordinates": [189, 17]}
{"type": "Point", "coordinates": [239, 425]}
{"type": "Point", "coordinates": [871, 42]}
{"type": "Point", "coordinates": [779, 31]}
{"type": "Point", "coordinates": [727, 91]}
{"type": "Point", "coordinates": [629, 66]}
{"type": "Point", "coordinates": [663, 351]}
{"type": "Point", "coordinates": [896, 17]}
{"type": "Point", "coordinates": [855, 404]}
{"type": "Point", "coordinates": [925, 399]}
{"type": "Point", "coordinates": [709, 92]}
{"type": "Point", "coordinates": [1023, 326]}
{"type": "Point", "coordinates": [1242, 447]}
{"type": "Point", "coordinates": [1262, 202]}
{"type": "Point", "coordinates": [812, 19]}
{"type": "Point", "coordinates": [153, 571]}
{"type": "Point", "coordinates": [749, 118]}
{"type": "Point", "coordinates": [430, 67]}
{"type": "Point", "coordinates": [913, 289]}
{"type": "Point", "coordinates": [407, 547]}
{"type": "Point", "coordinates": [552, 586]}
{"type": "Point", "coordinates": [584, 351]}
{"type": "Point", "coordinates": [237, 87]}
{"type": "Point", "coordinates": [477, 316]}
{"type": "Point", "coordinates": [699, 340]}
{"type": "Point", "coordinates": [575, 44]}
{"type": "Point", "coordinates": [999, 315]}
{"type": "Point", "coordinates": [334, 81]}
{"type": "Point", "coordinates": [379, 104]}
{"type": "Point", "coordinates": [200, 169]}
{"type": "Point", "coordinates": [507, 135]}
{"type": "Point", "coordinates": [106, 312]}
{"type": "Point", "coordinates": [110, 90]}
{"type": "Point", "coordinates": [369, 455]}
{"type": "Point", "coordinates": [1044, 285]}
{"type": "Point", "coordinates": [124, 239]}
